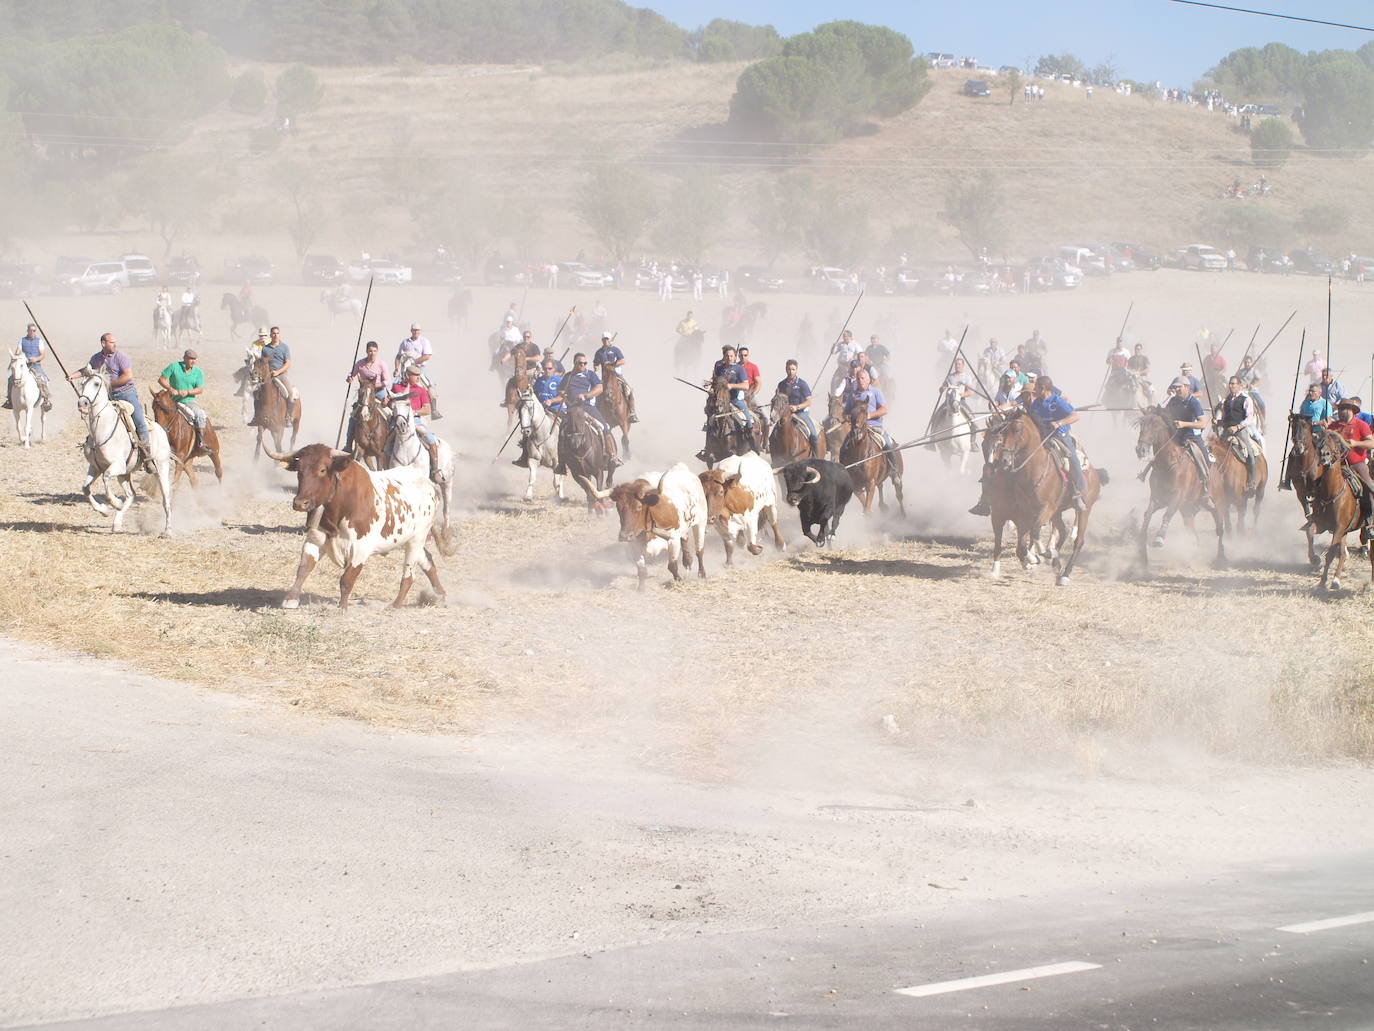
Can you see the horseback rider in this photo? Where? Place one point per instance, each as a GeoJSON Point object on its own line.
{"type": "Point", "coordinates": [370, 370]}
{"type": "Point", "coordinates": [278, 357]}
{"type": "Point", "coordinates": [1331, 387]}
{"type": "Point", "coordinates": [993, 355]}
{"type": "Point", "coordinates": [527, 350]}
{"type": "Point", "coordinates": [1054, 415]}
{"type": "Point", "coordinates": [1235, 416]}
{"type": "Point", "coordinates": [164, 298]}
{"type": "Point", "coordinates": [116, 365]}
{"type": "Point", "coordinates": [548, 357]}
{"type": "Point", "coordinates": [546, 389]}
{"type": "Point", "coordinates": [33, 347]}
{"type": "Point", "coordinates": [798, 393]}
{"type": "Point", "coordinates": [412, 390]}
{"type": "Point", "coordinates": [961, 381]}
{"type": "Point", "coordinates": [845, 350]}
{"type": "Point", "coordinates": [687, 326]}
{"type": "Point", "coordinates": [737, 381]}
{"type": "Point", "coordinates": [878, 357]}
{"type": "Point", "coordinates": [188, 301]}
{"type": "Point", "coordinates": [1035, 351]}
{"type": "Point", "coordinates": [609, 354]}
{"type": "Point", "coordinates": [416, 350]}
{"type": "Point", "coordinates": [871, 398]}
{"type": "Point", "coordinates": [1139, 362]}
{"type": "Point", "coordinates": [1118, 357]}
{"type": "Point", "coordinates": [185, 381]}
{"type": "Point", "coordinates": [1186, 371]}
{"type": "Point", "coordinates": [579, 390]}
{"type": "Point", "coordinates": [1249, 375]}
{"type": "Point", "coordinates": [1188, 417]}
{"type": "Point", "coordinates": [1359, 438]}
{"type": "Point", "coordinates": [1316, 407]}
{"type": "Point", "coordinates": [1011, 392]}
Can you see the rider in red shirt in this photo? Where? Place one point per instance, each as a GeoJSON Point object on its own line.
{"type": "Point", "coordinates": [1359, 437]}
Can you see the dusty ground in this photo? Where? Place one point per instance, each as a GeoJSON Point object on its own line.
{"type": "Point", "coordinates": [545, 628]}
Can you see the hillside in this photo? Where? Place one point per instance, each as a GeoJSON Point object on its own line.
{"type": "Point", "coordinates": [1115, 167]}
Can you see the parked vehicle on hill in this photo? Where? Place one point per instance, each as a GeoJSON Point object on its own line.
{"type": "Point", "coordinates": [1311, 261]}
{"type": "Point", "coordinates": [252, 269]}
{"type": "Point", "coordinates": [379, 270]}
{"type": "Point", "coordinates": [755, 277]}
{"type": "Point", "coordinates": [322, 270]}
{"type": "Point", "coordinates": [433, 272]}
{"type": "Point", "coordinates": [579, 275]}
{"type": "Point", "coordinates": [830, 279]}
{"type": "Point", "coordinates": [142, 271]}
{"type": "Point", "coordinates": [1089, 261]}
{"type": "Point", "coordinates": [500, 271]}
{"type": "Point", "coordinates": [1051, 272]}
{"type": "Point", "coordinates": [1139, 256]}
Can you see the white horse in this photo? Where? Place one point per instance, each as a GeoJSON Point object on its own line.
{"type": "Point", "coordinates": [247, 389]}
{"type": "Point", "coordinates": [186, 323]}
{"type": "Point", "coordinates": [405, 449]}
{"type": "Point", "coordinates": [536, 427]}
{"type": "Point", "coordinates": [25, 399]}
{"type": "Point", "coordinates": [110, 452]}
{"type": "Point", "coordinates": [952, 422]}
{"type": "Point", "coordinates": [162, 326]}
{"type": "Point", "coordinates": [338, 305]}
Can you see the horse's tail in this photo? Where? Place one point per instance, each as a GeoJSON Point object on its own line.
{"type": "Point", "coordinates": [1103, 477]}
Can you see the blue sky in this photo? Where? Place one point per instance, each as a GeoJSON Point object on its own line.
{"type": "Point", "coordinates": [1148, 39]}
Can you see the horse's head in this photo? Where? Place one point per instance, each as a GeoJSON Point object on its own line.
{"type": "Point", "coordinates": [163, 403]}
{"type": "Point", "coordinates": [858, 415]}
{"type": "Point", "coordinates": [1330, 446]}
{"type": "Point", "coordinates": [1155, 429]}
{"type": "Point", "coordinates": [1018, 433]}
{"type": "Point", "coordinates": [778, 408]}
{"type": "Point", "coordinates": [17, 363]}
{"type": "Point", "coordinates": [92, 391]}
{"type": "Point", "coordinates": [402, 420]}
{"type": "Point", "coordinates": [720, 393]}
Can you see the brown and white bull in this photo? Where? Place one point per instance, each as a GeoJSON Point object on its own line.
{"type": "Point", "coordinates": [670, 513]}
{"type": "Point", "coordinates": [741, 497]}
{"type": "Point", "coordinates": [353, 513]}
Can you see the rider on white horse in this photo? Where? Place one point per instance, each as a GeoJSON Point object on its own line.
{"type": "Point", "coordinates": [32, 346]}
{"type": "Point", "coordinates": [546, 390]}
{"type": "Point", "coordinates": [417, 350]}
{"type": "Point", "coordinates": [116, 365]}
{"type": "Point", "coordinates": [412, 391]}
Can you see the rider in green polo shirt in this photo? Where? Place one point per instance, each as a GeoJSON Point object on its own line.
{"type": "Point", "coordinates": [185, 380]}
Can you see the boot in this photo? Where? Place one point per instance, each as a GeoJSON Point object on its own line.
{"type": "Point", "coordinates": [982, 508]}
{"type": "Point", "coordinates": [524, 460]}
{"type": "Point", "coordinates": [434, 407]}
{"type": "Point", "coordinates": [200, 441]}
{"type": "Point", "coordinates": [149, 466]}
{"type": "Point", "coordinates": [630, 400]}
{"type": "Point", "coordinates": [46, 394]}
{"type": "Point", "coordinates": [1251, 475]}
{"type": "Point", "coordinates": [8, 385]}
{"type": "Point", "coordinates": [433, 450]}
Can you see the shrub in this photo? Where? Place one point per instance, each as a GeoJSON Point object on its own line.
{"type": "Point", "coordinates": [1271, 143]}
{"type": "Point", "coordinates": [298, 91]}
{"type": "Point", "coordinates": [249, 94]}
{"type": "Point", "coordinates": [1324, 219]}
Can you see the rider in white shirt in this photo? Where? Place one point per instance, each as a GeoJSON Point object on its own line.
{"type": "Point", "coordinates": [416, 350]}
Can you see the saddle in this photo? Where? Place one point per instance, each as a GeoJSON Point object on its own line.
{"type": "Point", "coordinates": [1058, 451]}
{"type": "Point", "coordinates": [126, 415]}
{"type": "Point", "coordinates": [1362, 496]}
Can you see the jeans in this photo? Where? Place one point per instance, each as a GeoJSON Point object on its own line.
{"type": "Point", "coordinates": [742, 405]}
{"type": "Point", "coordinates": [130, 394]}
{"type": "Point", "coordinates": [194, 412]}
{"type": "Point", "coordinates": [423, 431]}
{"type": "Point", "coordinates": [1080, 482]}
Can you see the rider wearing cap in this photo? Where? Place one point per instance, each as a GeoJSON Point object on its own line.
{"type": "Point", "coordinates": [416, 350]}
{"type": "Point", "coordinates": [185, 381]}
{"type": "Point", "coordinates": [548, 357]}
{"type": "Point", "coordinates": [1358, 438]}
{"type": "Point", "coordinates": [412, 391]}
{"type": "Point", "coordinates": [1186, 371]}
{"type": "Point", "coordinates": [609, 354]}
{"type": "Point", "coordinates": [1054, 415]}
{"type": "Point", "coordinates": [1235, 418]}
{"type": "Point", "coordinates": [32, 346]}
{"type": "Point", "coordinates": [1188, 417]}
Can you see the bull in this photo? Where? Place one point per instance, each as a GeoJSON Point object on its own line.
{"type": "Point", "coordinates": [670, 512]}
{"type": "Point", "coordinates": [819, 490]}
{"type": "Point", "coordinates": [742, 498]}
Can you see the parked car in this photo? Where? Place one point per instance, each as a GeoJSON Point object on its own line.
{"type": "Point", "coordinates": [322, 270]}
{"type": "Point", "coordinates": [1311, 261]}
{"type": "Point", "coordinates": [977, 88]}
{"type": "Point", "coordinates": [1085, 259]}
{"type": "Point", "coordinates": [99, 277]}
{"type": "Point", "coordinates": [1268, 259]}
{"type": "Point", "coordinates": [1051, 272]}
{"type": "Point", "coordinates": [142, 271]}
{"type": "Point", "coordinates": [183, 270]}
{"type": "Point", "coordinates": [1201, 257]}
{"type": "Point", "coordinates": [63, 269]}
{"type": "Point", "coordinates": [433, 272]}
{"type": "Point", "coordinates": [755, 277]}
{"type": "Point", "coordinates": [581, 276]}
{"type": "Point", "coordinates": [380, 270]}
{"type": "Point", "coordinates": [1139, 256]}
{"type": "Point", "coordinates": [252, 269]}
{"type": "Point", "coordinates": [505, 272]}
{"type": "Point", "coordinates": [828, 279]}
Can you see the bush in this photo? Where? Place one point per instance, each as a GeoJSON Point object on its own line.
{"type": "Point", "coordinates": [1271, 143]}
{"type": "Point", "coordinates": [1324, 219]}
{"type": "Point", "coordinates": [298, 91]}
{"type": "Point", "coordinates": [973, 206]}
{"type": "Point", "coordinates": [1338, 102]}
{"type": "Point", "coordinates": [725, 40]}
{"type": "Point", "coordinates": [1245, 225]}
{"type": "Point", "coordinates": [1057, 64]}
{"type": "Point", "coordinates": [249, 94]}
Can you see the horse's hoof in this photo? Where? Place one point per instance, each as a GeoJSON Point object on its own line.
{"type": "Point", "coordinates": [995, 573]}
{"type": "Point", "coordinates": [756, 549]}
{"type": "Point", "coordinates": [1334, 586]}
{"type": "Point", "coordinates": [290, 603]}
{"type": "Point", "coordinates": [1063, 581]}
{"type": "Point", "coordinates": [1158, 542]}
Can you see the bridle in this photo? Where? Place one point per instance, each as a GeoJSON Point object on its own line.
{"type": "Point", "coordinates": [86, 406]}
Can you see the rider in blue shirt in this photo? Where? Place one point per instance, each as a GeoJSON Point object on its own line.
{"type": "Point", "coordinates": [798, 394]}
{"type": "Point", "coordinates": [546, 388]}
{"type": "Point", "coordinates": [871, 398]}
{"type": "Point", "coordinates": [1054, 414]}
{"type": "Point", "coordinates": [609, 354]}
{"type": "Point", "coordinates": [581, 387]}
{"type": "Point", "coordinates": [32, 346]}
{"type": "Point", "coordinates": [736, 379]}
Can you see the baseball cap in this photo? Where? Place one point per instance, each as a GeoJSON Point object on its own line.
{"type": "Point", "coordinates": [606, 335]}
{"type": "Point", "coordinates": [1179, 381]}
{"type": "Point", "coordinates": [189, 354]}
{"type": "Point", "coordinates": [262, 331]}
{"type": "Point", "coordinates": [414, 326]}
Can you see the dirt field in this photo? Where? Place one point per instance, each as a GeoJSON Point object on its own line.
{"type": "Point", "coordinates": [545, 631]}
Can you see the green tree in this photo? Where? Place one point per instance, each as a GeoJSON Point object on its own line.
{"type": "Point", "coordinates": [1245, 225]}
{"type": "Point", "coordinates": [249, 94]}
{"type": "Point", "coordinates": [725, 40]}
{"type": "Point", "coordinates": [1258, 73]}
{"type": "Point", "coordinates": [693, 217]}
{"type": "Point", "coordinates": [974, 207]}
{"type": "Point", "coordinates": [298, 91]}
{"type": "Point", "coordinates": [780, 211]}
{"type": "Point", "coordinates": [1323, 219]}
{"type": "Point", "coordinates": [1060, 64]}
{"type": "Point", "coordinates": [1271, 143]}
{"type": "Point", "coordinates": [1013, 81]}
{"type": "Point", "coordinates": [617, 203]}
{"type": "Point", "coordinates": [172, 195]}
{"type": "Point", "coordinates": [1338, 102]}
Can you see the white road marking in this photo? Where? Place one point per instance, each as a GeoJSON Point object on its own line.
{"type": "Point", "coordinates": [1326, 925]}
{"type": "Point", "coordinates": [1007, 977]}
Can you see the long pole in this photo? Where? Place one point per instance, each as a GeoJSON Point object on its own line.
{"type": "Point", "coordinates": [1206, 384]}
{"type": "Point", "coordinates": [973, 368]}
{"type": "Point", "coordinates": [348, 388]}
{"type": "Point", "coordinates": [1119, 336]}
{"type": "Point", "coordinates": [1328, 321]}
{"type": "Point", "coordinates": [551, 343]}
{"type": "Point", "coordinates": [835, 346]}
{"type": "Point", "coordinates": [44, 337]}
{"type": "Point", "coordinates": [1251, 344]}
{"type": "Point", "coordinates": [1261, 355]}
{"type": "Point", "coordinates": [1284, 484]}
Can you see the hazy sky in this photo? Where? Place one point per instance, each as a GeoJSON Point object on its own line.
{"type": "Point", "coordinates": [1148, 39]}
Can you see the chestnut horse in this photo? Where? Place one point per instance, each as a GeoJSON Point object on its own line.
{"type": "Point", "coordinates": [834, 429]}
{"type": "Point", "coordinates": [788, 442]}
{"type": "Point", "coordinates": [272, 413]}
{"type": "Point", "coordinates": [181, 435]}
{"type": "Point", "coordinates": [369, 429]}
{"type": "Point", "coordinates": [1335, 508]}
{"type": "Point", "coordinates": [613, 405]}
{"type": "Point", "coordinates": [1176, 484]}
{"type": "Point", "coordinates": [1304, 470]}
{"type": "Point", "coordinates": [1027, 488]}
{"type": "Point", "coordinates": [1228, 483]}
{"type": "Point", "coordinates": [864, 445]}
{"type": "Point", "coordinates": [516, 386]}
{"type": "Point", "coordinates": [725, 433]}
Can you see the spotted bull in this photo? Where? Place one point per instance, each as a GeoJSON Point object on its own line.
{"type": "Point", "coordinates": [742, 498]}
{"type": "Point", "coordinates": [670, 513]}
{"type": "Point", "coordinates": [353, 513]}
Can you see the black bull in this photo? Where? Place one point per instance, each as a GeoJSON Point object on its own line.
{"type": "Point", "coordinates": [819, 490]}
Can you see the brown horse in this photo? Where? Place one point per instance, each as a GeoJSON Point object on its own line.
{"type": "Point", "coordinates": [1176, 485]}
{"type": "Point", "coordinates": [788, 442]}
{"type": "Point", "coordinates": [1026, 487]}
{"type": "Point", "coordinates": [1229, 477]}
{"type": "Point", "coordinates": [583, 453]}
{"type": "Point", "coordinates": [725, 434]}
{"type": "Point", "coordinates": [272, 413]}
{"type": "Point", "coordinates": [834, 429]}
{"type": "Point", "coordinates": [182, 437]}
{"type": "Point", "coordinates": [613, 405]}
{"type": "Point", "coordinates": [864, 446]}
{"type": "Point", "coordinates": [369, 429]}
{"type": "Point", "coordinates": [1304, 471]}
{"type": "Point", "coordinates": [516, 386]}
{"type": "Point", "coordinates": [1335, 508]}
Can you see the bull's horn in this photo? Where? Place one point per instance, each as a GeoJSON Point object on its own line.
{"type": "Point", "coordinates": [336, 453]}
{"type": "Point", "coordinates": [285, 457]}
{"type": "Point", "coordinates": [601, 495]}
{"type": "Point", "coordinates": [813, 475]}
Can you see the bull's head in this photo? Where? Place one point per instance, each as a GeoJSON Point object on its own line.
{"type": "Point", "coordinates": [799, 477]}
{"type": "Point", "coordinates": [629, 506]}
{"type": "Point", "coordinates": [725, 496]}
{"type": "Point", "coordinates": [317, 468]}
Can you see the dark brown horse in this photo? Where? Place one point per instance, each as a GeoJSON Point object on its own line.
{"type": "Point", "coordinates": [516, 386]}
{"type": "Point", "coordinates": [834, 429]}
{"type": "Point", "coordinates": [1304, 470]}
{"type": "Point", "coordinates": [1027, 488]}
{"type": "Point", "coordinates": [582, 451]}
{"type": "Point", "coordinates": [788, 442]}
{"type": "Point", "coordinates": [1335, 508]}
{"type": "Point", "coordinates": [1229, 477]}
{"type": "Point", "coordinates": [272, 413]}
{"type": "Point", "coordinates": [182, 437]}
{"type": "Point", "coordinates": [1176, 484]}
{"type": "Point", "coordinates": [613, 405]}
{"type": "Point", "coordinates": [369, 429]}
{"type": "Point", "coordinates": [725, 433]}
{"type": "Point", "coordinates": [864, 446]}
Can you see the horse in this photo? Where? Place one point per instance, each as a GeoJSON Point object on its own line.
{"type": "Point", "coordinates": [687, 351]}
{"type": "Point", "coordinates": [1176, 483]}
{"type": "Point", "coordinates": [181, 437]}
{"type": "Point", "coordinates": [788, 442]}
{"type": "Point", "coordinates": [951, 421]}
{"type": "Point", "coordinates": [725, 431]}
{"type": "Point", "coordinates": [1126, 391]}
{"type": "Point", "coordinates": [613, 404]}
{"type": "Point", "coordinates": [740, 329]}
{"type": "Point", "coordinates": [1027, 488]}
{"type": "Point", "coordinates": [1335, 508]}
{"type": "Point", "coordinates": [834, 428]}
{"type": "Point", "coordinates": [271, 412]}
{"type": "Point", "coordinates": [162, 326]}
{"type": "Point", "coordinates": [865, 445]}
{"type": "Point", "coordinates": [406, 450]}
{"type": "Point", "coordinates": [241, 312]}
{"type": "Point", "coordinates": [26, 397]}
{"type": "Point", "coordinates": [186, 323]}
{"type": "Point", "coordinates": [536, 434]}
{"type": "Point", "coordinates": [110, 452]}
{"type": "Point", "coordinates": [582, 451]}
{"type": "Point", "coordinates": [369, 429]}
{"type": "Point", "coordinates": [338, 305]}
{"type": "Point", "coordinates": [884, 380]}
{"type": "Point", "coordinates": [1304, 471]}
{"type": "Point", "coordinates": [515, 386]}
{"type": "Point", "coordinates": [1228, 483]}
